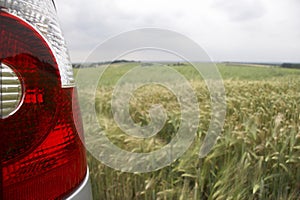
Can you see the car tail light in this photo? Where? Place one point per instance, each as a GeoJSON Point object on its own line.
{"type": "Point", "coordinates": [41, 151]}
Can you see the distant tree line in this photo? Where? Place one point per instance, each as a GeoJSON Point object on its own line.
{"type": "Point", "coordinates": [84, 65]}
{"type": "Point", "coordinates": [96, 64]}
{"type": "Point", "coordinates": [291, 65]}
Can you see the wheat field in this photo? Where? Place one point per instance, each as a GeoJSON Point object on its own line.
{"type": "Point", "coordinates": [257, 155]}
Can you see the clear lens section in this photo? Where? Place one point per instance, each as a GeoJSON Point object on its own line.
{"type": "Point", "coordinates": [42, 16]}
{"type": "Point", "coordinates": [10, 91]}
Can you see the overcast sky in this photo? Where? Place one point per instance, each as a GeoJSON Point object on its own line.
{"type": "Point", "coordinates": [228, 30]}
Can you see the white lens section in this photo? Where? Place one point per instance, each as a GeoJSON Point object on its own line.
{"type": "Point", "coordinates": [10, 91]}
{"type": "Point", "coordinates": [41, 14]}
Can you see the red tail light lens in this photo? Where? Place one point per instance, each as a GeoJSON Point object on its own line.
{"type": "Point", "coordinates": [42, 156]}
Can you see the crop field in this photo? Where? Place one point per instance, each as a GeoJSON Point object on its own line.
{"type": "Point", "coordinates": [257, 155]}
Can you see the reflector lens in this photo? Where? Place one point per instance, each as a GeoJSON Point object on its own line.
{"type": "Point", "coordinates": [24, 49]}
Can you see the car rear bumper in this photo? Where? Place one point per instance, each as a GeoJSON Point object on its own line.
{"type": "Point", "coordinates": [84, 191]}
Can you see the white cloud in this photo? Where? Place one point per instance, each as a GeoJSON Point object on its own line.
{"type": "Point", "coordinates": [250, 30]}
{"type": "Point", "coordinates": [241, 10]}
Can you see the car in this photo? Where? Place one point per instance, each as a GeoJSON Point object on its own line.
{"type": "Point", "coordinates": [42, 149]}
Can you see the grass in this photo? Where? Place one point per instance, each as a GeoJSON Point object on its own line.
{"type": "Point", "coordinates": [257, 155]}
